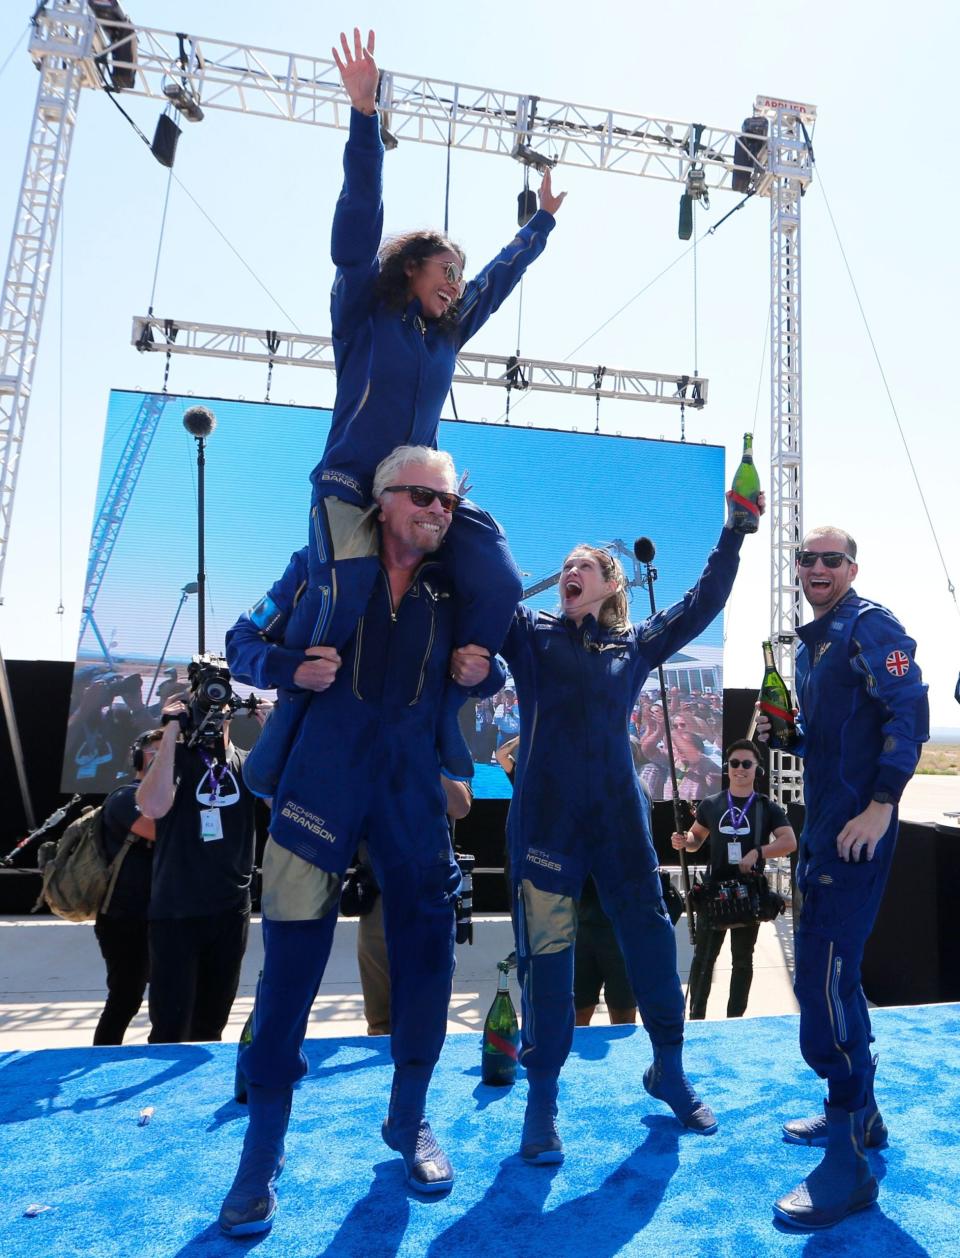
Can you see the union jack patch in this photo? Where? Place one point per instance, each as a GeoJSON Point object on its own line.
{"type": "Point", "coordinates": [898, 663]}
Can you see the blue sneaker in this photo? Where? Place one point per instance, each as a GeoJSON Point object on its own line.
{"type": "Point", "coordinates": [665, 1080]}
{"type": "Point", "coordinates": [251, 1204]}
{"type": "Point", "coordinates": [427, 1166]}
{"type": "Point", "coordinates": [540, 1143]}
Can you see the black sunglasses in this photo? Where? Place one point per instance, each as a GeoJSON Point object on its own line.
{"type": "Point", "coordinates": [829, 558]}
{"type": "Point", "coordinates": [421, 496]}
{"type": "Point", "coordinates": [742, 764]}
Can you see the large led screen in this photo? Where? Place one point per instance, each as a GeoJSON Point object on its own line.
{"type": "Point", "coordinates": [550, 490]}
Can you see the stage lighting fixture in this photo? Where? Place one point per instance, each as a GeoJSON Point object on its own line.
{"type": "Point", "coordinates": [184, 101]}
{"type": "Point", "coordinates": [696, 191]}
{"type": "Point", "coordinates": [390, 141]}
{"type": "Point", "coordinates": [530, 157]}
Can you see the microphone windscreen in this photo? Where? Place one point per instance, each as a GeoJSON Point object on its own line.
{"type": "Point", "coordinates": [644, 549]}
{"type": "Point", "coordinates": [199, 421]}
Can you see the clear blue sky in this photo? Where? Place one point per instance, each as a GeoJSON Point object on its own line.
{"type": "Point", "coordinates": [882, 77]}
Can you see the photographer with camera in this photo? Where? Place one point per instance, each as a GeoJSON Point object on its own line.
{"type": "Point", "coordinates": [740, 824]}
{"type": "Point", "coordinates": [107, 713]}
{"type": "Point", "coordinates": [121, 925]}
{"type": "Point", "coordinates": [203, 862]}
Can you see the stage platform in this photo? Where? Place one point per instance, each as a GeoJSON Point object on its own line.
{"type": "Point", "coordinates": [634, 1182]}
{"type": "Point", "coordinates": [52, 981]}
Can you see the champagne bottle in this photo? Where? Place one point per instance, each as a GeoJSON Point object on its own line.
{"type": "Point", "coordinates": [501, 1035]}
{"type": "Point", "coordinates": [743, 513]}
{"type": "Point", "coordinates": [775, 704]}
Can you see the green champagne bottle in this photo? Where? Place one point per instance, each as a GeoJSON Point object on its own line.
{"type": "Point", "coordinates": [743, 513]}
{"type": "Point", "coordinates": [775, 704]}
{"type": "Point", "coordinates": [501, 1035]}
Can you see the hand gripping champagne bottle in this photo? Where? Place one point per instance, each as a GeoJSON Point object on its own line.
{"type": "Point", "coordinates": [775, 704]}
{"type": "Point", "coordinates": [743, 513]}
{"type": "Point", "coordinates": [501, 1035]}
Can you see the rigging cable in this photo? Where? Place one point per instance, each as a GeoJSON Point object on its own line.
{"type": "Point", "coordinates": [15, 49]}
{"type": "Point", "coordinates": [183, 188]}
{"type": "Point", "coordinates": [711, 231]}
{"type": "Point", "coordinates": [446, 221]}
{"type": "Point", "coordinates": [514, 374]}
{"type": "Point", "coordinates": [629, 302]}
{"type": "Point", "coordinates": [883, 377]}
{"type": "Point", "coordinates": [696, 312]}
{"type": "Point", "coordinates": [163, 224]}
{"type": "Point", "coordinates": [63, 267]}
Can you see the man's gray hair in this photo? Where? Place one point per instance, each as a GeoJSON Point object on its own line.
{"type": "Point", "coordinates": [830, 530]}
{"type": "Point", "coordinates": [388, 469]}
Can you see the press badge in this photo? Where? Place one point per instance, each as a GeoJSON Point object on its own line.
{"type": "Point", "coordinates": [734, 853]}
{"type": "Point", "coordinates": [211, 827]}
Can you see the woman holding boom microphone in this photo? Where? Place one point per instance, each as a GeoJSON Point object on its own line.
{"type": "Point", "coordinates": [401, 309]}
{"type": "Point", "coordinates": [578, 809]}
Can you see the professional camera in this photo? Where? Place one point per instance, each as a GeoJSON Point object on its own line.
{"type": "Point", "coordinates": [210, 700]}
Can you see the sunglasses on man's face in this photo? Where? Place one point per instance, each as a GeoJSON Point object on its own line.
{"type": "Point", "coordinates": [452, 272]}
{"type": "Point", "coordinates": [742, 764]}
{"type": "Point", "coordinates": [829, 558]}
{"type": "Point", "coordinates": [422, 496]}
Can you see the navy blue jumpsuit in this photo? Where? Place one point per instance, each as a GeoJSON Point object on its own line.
{"type": "Point", "coordinates": [364, 765]}
{"type": "Point", "coordinates": [863, 716]}
{"type": "Point", "coordinates": [394, 370]}
{"type": "Point", "coordinates": [578, 808]}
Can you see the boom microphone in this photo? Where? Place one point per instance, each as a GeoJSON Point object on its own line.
{"type": "Point", "coordinates": [199, 421]}
{"type": "Point", "coordinates": [644, 549]}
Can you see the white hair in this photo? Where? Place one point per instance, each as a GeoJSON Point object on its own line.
{"type": "Point", "coordinates": [388, 468]}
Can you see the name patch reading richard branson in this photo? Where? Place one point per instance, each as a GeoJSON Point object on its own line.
{"type": "Point", "coordinates": [301, 816]}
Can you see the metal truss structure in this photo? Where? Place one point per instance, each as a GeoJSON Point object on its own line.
{"type": "Point", "coordinates": [90, 43]}
{"type": "Point", "coordinates": [31, 247]}
{"type": "Point", "coordinates": [790, 165]}
{"type": "Point", "coordinates": [296, 349]}
{"type": "Point", "coordinates": [217, 74]}
{"type": "Point", "coordinates": [111, 515]}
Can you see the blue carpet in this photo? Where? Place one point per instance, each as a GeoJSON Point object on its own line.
{"type": "Point", "coordinates": [633, 1183]}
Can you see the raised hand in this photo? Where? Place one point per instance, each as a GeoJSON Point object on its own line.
{"type": "Point", "coordinates": [359, 71]}
{"type": "Point", "coordinates": [548, 200]}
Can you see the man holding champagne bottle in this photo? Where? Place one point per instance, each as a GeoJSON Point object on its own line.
{"type": "Point", "coordinates": [861, 719]}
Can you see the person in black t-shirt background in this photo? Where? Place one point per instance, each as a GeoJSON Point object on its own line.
{"type": "Point", "coordinates": [121, 928]}
{"type": "Point", "coordinates": [739, 823]}
{"type": "Point", "coordinates": [202, 870]}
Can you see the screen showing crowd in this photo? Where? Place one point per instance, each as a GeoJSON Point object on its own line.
{"type": "Point", "coordinates": [549, 489]}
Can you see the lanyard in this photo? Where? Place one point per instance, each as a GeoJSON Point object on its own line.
{"type": "Point", "coordinates": [737, 815]}
{"type": "Point", "coordinates": [215, 774]}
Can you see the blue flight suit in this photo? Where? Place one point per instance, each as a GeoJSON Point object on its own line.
{"type": "Point", "coordinates": [578, 807]}
{"type": "Point", "coordinates": [863, 715]}
{"type": "Point", "coordinates": [364, 765]}
{"type": "Point", "coordinates": [394, 369]}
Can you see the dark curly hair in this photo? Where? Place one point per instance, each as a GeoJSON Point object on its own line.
{"type": "Point", "coordinates": [394, 283]}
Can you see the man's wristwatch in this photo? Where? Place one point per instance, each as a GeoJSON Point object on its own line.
{"type": "Point", "coordinates": [882, 797]}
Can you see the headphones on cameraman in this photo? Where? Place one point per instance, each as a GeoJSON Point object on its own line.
{"type": "Point", "coordinates": [137, 749]}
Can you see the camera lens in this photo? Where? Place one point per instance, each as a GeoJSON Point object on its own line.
{"type": "Point", "coordinates": [216, 691]}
